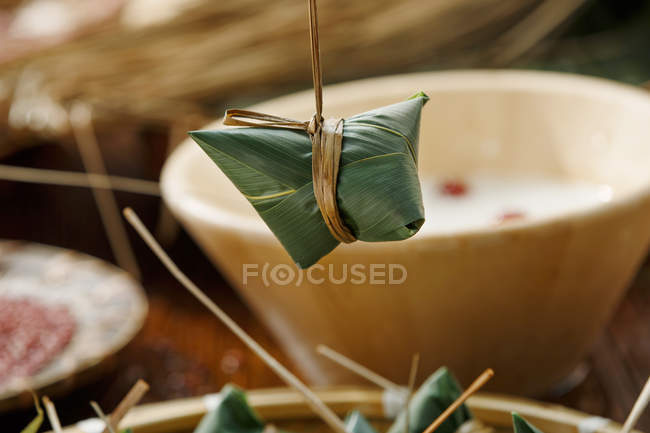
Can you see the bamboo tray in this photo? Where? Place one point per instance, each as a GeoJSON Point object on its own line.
{"type": "Point", "coordinates": [286, 409]}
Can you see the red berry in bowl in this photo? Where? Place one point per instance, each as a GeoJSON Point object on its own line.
{"type": "Point", "coordinates": [454, 188]}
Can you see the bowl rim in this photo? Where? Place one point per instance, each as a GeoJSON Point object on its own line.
{"type": "Point", "coordinates": [182, 202]}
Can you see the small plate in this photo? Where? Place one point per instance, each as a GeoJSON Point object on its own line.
{"type": "Point", "coordinates": [108, 305]}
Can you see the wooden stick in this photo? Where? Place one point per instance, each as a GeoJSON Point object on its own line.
{"type": "Point", "coordinates": [475, 386]}
{"type": "Point", "coordinates": [356, 368]}
{"type": "Point", "coordinates": [100, 413]}
{"type": "Point", "coordinates": [81, 123]}
{"type": "Point", "coordinates": [73, 178]}
{"type": "Point", "coordinates": [52, 415]}
{"type": "Point", "coordinates": [312, 400]}
{"type": "Point", "coordinates": [132, 398]}
{"type": "Point", "coordinates": [415, 362]}
{"type": "Point", "coordinates": [638, 408]}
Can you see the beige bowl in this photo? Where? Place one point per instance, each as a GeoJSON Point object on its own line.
{"type": "Point", "coordinates": [527, 298]}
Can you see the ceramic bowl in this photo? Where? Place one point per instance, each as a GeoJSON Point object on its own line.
{"type": "Point", "coordinates": [527, 298]}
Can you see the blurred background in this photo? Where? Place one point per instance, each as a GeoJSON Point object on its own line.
{"type": "Point", "coordinates": [152, 69]}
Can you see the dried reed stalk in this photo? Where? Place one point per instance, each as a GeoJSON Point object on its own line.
{"type": "Point", "coordinates": [78, 179]}
{"type": "Point", "coordinates": [356, 368]}
{"type": "Point", "coordinates": [415, 362]}
{"type": "Point", "coordinates": [81, 122]}
{"type": "Point", "coordinates": [213, 51]}
{"type": "Point", "coordinates": [100, 413]}
{"type": "Point", "coordinates": [52, 416]}
{"type": "Point", "coordinates": [312, 400]}
{"type": "Point", "coordinates": [132, 398]}
{"type": "Point", "coordinates": [639, 406]}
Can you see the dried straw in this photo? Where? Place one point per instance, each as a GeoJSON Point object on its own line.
{"type": "Point", "coordinates": [315, 403]}
{"type": "Point", "coordinates": [638, 408]}
{"type": "Point", "coordinates": [356, 368]}
{"type": "Point", "coordinates": [81, 122]}
{"type": "Point", "coordinates": [100, 413]}
{"type": "Point", "coordinates": [78, 179]}
{"type": "Point", "coordinates": [415, 362]}
{"type": "Point", "coordinates": [132, 398]}
{"type": "Point", "coordinates": [212, 51]}
{"type": "Point", "coordinates": [52, 415]}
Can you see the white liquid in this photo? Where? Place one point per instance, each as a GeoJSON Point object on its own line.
{"type": "Point", "coordinates": [488, 199]}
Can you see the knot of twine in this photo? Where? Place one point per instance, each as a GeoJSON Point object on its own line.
{"type": "Point", "coordinates": [326, 137]}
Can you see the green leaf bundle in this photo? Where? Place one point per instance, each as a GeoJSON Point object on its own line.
{"type": "Point", "coordinates": [520, 425]}
{"type": "Point", "coordinates": [355, 422]}
{"type": "Point", "coordinates": [378, 190]}
{"type": "Point", "coordinates": [232, 415]}
{"type": "Point", "coordinates": [437, 393]}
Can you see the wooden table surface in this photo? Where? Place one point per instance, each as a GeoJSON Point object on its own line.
{"type": "Point", "coordinates": [183, 351]}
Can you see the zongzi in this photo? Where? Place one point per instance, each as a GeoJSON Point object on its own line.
{"type": "Point", "coordinates": [377, 193]}
{"type": "Point", "coordinates": [439, 391]}
{"type": "Point", "coordinates": [520, 425]}
{"type": "Point", "coordinates": [355, 422]}
{"type": "Point", "coordinates": [231, 415]}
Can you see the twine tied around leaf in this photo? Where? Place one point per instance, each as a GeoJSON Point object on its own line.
{"type": "Point", "coordinates": [326, 137]}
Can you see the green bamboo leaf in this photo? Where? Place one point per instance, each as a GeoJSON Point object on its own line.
{"type": "Point", "coordinates": [379, 220]}
{"type": "Point", "coordinates": [520, 425]}
{"type": "Point", "coordinates": [36, 423]}
{"type": "Point", "coordinates": [280, 154]}
{"type": "Point", "coordinates": [402, 118]}
{"type": "Point", "coordinates": [232, 415]}
{"type": "Point", "coordinates": [437, 393]}
{"type": "Point", "coordinates": [355, 422]}
{"type": "Point", "coordinates": [379, 193]}
{"type": "Point", "coordinates": [297, 221]}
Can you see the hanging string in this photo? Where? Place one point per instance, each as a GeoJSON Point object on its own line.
{"type": "Point", "coordinates": [326, 137]}
{"type": "Point", "coordinates": [317, 73]}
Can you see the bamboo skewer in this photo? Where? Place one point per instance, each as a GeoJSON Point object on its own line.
{"type": "Point", "coordinates": [312, 400]}
{"type": "Point", "coordinates": [73, 178]}
{"type": "Point", "coordinates": [475, 386]}
{"type": "Point", "coordinates": [81, 123]}
{"type": "Point", "coordinates": [50, 410]}
{"type": "Point", "coordinates": [356, 368]}
{"type": "Point", "coordinates": [638, 408]}
{"type": "Point", "coordinates": [132, 398]}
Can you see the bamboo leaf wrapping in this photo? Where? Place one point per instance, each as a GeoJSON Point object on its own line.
{"type": "Point", "coordinates": [232, 415]}
{"type": "Point", "coordinates": [378, 190]}
{"type": "Point", "coordinates": [520, 425]}
{"type": "Point", "coordinates": [355, 422]}
{"type": "Point", "coordinates": [434, 396]}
